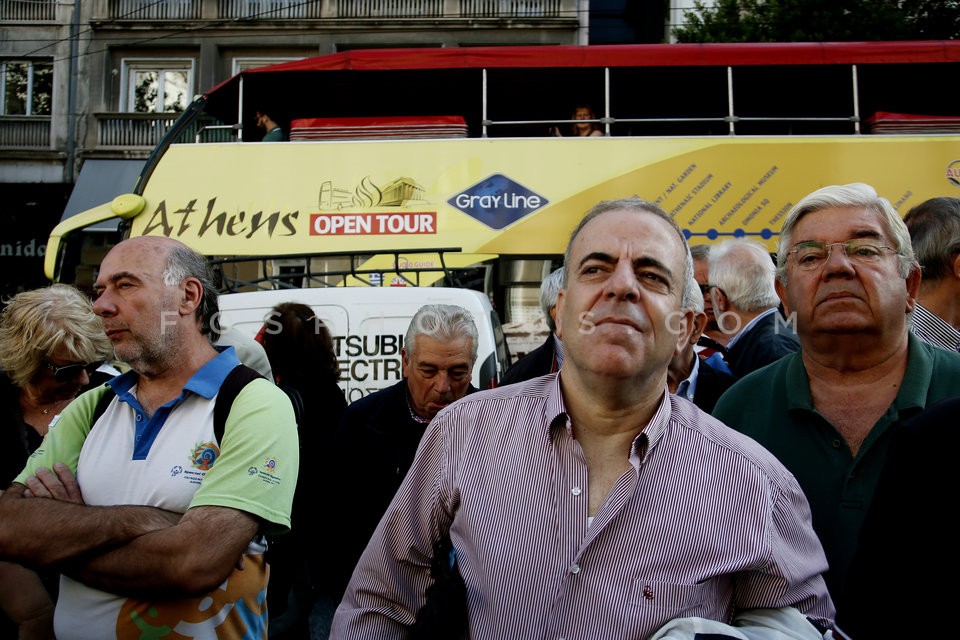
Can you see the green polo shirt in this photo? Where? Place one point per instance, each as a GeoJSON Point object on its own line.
{"type": "Point", "coordinates": [773, 406]}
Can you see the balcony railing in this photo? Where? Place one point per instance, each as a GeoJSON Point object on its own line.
{"type": "Point", "coordinates": [155, 10]}
{"type": "Point", "coordinates": [389, 8]}
{"type": "Point", "coordinates": [132, 129]}
{"type": "Point", "coordinates": [336, 9]}
{"type": "Point", "coordinates": [25, 132]}
{"type": "Point", "coordinates": [34, 10]}
{"type": "Point", "coordinates": [269, 9]}
{"type": "Point", "coordinates": [515, 8]}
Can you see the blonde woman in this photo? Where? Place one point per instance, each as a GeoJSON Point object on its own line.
{"type": "Point", "coordinates": [51, 345]}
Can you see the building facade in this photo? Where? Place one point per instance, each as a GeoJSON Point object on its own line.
{"type": "Point", "coordinates": [102, 80]}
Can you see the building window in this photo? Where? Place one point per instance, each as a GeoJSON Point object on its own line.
{"type": "Point", "coordinates": [158, 86]}
{"type": "Point", "coordinates": [242, 64]}
{"type": "Point", "coordinates": [27, 88]}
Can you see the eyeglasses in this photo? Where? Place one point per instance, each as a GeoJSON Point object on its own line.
{"type": "Point", "coordinates": [71, 371]}
{"type": "Point", "coordinates": [813, 255]}
{"type": "Point", "coordinates": [705, 288]}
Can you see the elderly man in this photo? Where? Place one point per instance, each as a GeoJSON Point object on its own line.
{"type": "Point", "coordinates": [712, 340]}
{"type": "Point", "coordinates": [378, 434]}
{"type": "Point", "coordinates": [548, 357]}
{"type": "Point", "coordinates": [846, 270]}
{"type": "Point", "coordinates": [745, 301]}
{"type": "Point", "coordinates": [934, 227]}
{"type": "Point", "coordinates": [691, 376]}
{"type": "Point", "coordinates": [592, 503]}
{"type": "Point", "coordinates": [166, 537]}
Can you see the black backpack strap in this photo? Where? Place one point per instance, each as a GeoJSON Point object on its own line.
{"type": "Point", "coordinates": [102, 405]}
{"type": "Point", "coordinates": [233, 384]}
{"type": "Point", "coordinates": [297, 401]}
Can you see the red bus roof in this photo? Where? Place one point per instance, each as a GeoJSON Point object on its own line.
{"type": "Point", "coordinates": [627, 55]}
{"type": "Point", "coordinates": [630, 56]}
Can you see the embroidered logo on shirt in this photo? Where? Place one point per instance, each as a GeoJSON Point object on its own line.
{"type": "Point", "coordinates": [267, 470]}
{"type": "Point", "coordinates": [204, 455]}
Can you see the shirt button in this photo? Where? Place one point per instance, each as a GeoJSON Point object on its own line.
{"type": "Point", "coordinates": [836, 444]}
{"type": "Point", "coordinates": [139, 417]}
{"type": "Point", "coordinates": [575, 569]}
{"type": "Point", "coordinates": [576, 491]}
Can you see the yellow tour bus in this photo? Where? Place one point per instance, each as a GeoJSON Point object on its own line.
{"type": "Point", "coordinates": [417, 167]}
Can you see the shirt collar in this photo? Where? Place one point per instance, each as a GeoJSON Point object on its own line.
{"type": "Point", "coordinates": [556, 414]}
{"type": "Point", "coordinates": [205, 382]}
{"type": "Point", "coordinates": [688, 387]}
{"type": "Point", "coordinates": [557, 351]}
{"type": "Point", "coordinates": [416, 417]}
{"type": "Point", "coordinates": [749, 326]}
{"type": "Point", "coordinates": [933, 329]}
{"type": "Point", "coordinates": [913, 387]}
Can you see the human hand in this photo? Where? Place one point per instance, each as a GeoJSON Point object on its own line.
{"type": "Point", "coordinates": [58, 484]}
{"type": "Point", "coordinates": [38, 628]}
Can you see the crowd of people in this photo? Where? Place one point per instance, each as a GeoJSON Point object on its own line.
{"type": "Point", "coordinates": [712, 441]}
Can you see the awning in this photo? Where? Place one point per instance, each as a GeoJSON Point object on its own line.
{"type": "Point", "coordinates": [101, 181]}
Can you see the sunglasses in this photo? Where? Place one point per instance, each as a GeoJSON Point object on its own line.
{"type": "Point", "coordinates": [71, 371]}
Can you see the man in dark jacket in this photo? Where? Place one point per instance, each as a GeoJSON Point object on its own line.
{"type": "Point", "coordinates": [378, 435]}
{"type": "Point", "coordinates": [746, 304]}
{"type": "Point", "coordinates": [691, 376]}
{"type": "Point", "coordinates": [548, 357]}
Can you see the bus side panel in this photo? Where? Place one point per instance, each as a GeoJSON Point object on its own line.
{"type": "Point", "coordinates": [511, 196]}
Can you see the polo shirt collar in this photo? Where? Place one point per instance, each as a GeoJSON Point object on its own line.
{"type": "Point", "coordinates": [913, 387]}
{"type": "Point", "coordinates": [206, 382]}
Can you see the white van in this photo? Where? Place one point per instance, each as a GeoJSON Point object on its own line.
{"type": "Point", "coordinates": [368, 325]}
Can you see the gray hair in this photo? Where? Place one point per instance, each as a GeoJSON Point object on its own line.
{"type": "Point", "coordinates": [549, 289]}
{"type": "Point", "coordinates": [184, 262]}
{"type": "Point", "coordinates": [700, 251]}
{"type": "Point", "coordinates": [744, 271]}
{"type": "Point", "coordinates": [934, 227]}
{"type": "Point", "coordinates": [696, 298]}
{"type": "Point", "coordinates": [443, 322]}
{"type": "Point", "coordinates": [854, 195]}
{"type": "Point", "coordinates": [640, 206]}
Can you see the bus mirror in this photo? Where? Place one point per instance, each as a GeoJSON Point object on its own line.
{"type": "Point", "coordinates": [127, 205]}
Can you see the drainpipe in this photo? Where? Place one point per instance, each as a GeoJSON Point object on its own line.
{"type": "Point", "coordinates": [583, 13]}
{"type": "Point", "coordinates": [68, 169]}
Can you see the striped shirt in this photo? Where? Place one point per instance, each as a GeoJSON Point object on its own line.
{"type": "Point", "coordinates": [704, 523]}
{"type": "Point", "coordinates": [932, 329]}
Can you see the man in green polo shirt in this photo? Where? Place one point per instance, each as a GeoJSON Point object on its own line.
{"type": "Point", "coordinates": [847, 278]}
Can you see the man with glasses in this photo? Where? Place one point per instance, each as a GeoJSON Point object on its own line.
{"type": "Point", "coordinates": [846, 272]}
{"type": "Point", "coordinates": [713, 340]}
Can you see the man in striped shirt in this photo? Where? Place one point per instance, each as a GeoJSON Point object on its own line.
{"type": "Point", "coordinates": [592, 503]}
{"type": "Point", "coordinates": [934, 227]}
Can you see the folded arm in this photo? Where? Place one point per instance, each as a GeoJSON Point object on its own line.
{"type": "Point", "coordinates": [153, 552]}
{"type": "Point", "coordinates": [49, 532]}
{"type": "Point", "coordinates": [191, 558]}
